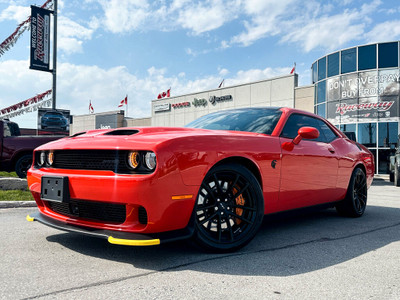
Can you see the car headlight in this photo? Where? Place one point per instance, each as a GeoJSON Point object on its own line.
{"type": "Point", "coordinates": [133, 159]}
{"type": "Point", "coordinates": [150, 160]}
{"type": "Point", "coordinates": [50, 158]}
{"type": "Point", "coordinates": [42, 159]}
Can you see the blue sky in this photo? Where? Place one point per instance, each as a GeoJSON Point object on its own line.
{"type": "Point", "coordinates": [107, 49]}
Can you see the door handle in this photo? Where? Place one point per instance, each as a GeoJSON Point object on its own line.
{"type": "Point", "coordinates": [331, 150]}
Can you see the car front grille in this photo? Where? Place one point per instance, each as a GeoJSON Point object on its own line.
{"type": "Point", "coordinates": [90, 210]}
{"type": "Point", "coordinates": [110, 160]}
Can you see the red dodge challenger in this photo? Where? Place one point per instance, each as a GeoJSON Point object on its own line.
{"type": "Point", "coordinates": [212, 181]}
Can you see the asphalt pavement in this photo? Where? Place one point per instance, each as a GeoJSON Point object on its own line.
{"type": "Point", "coordinates": [309, 255]}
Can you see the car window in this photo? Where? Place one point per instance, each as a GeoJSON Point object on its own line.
{"type": "Point", "coordinates": [11, 129]}
{"type": "Point", "coordinates": [262, 120]}
{"type": "Point", "coordinates": [296, 121]}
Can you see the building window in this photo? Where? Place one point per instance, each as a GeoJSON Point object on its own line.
{"type": "Point", "coordinates": [322, 68]}
{"type": "Point", "coordinates": [333, 64]}
{"type": "Point", "coordinates": [388, 55]}
{"type": "Point", "coordinates": [348, 60]}
{"type": "Point", "coordinates": [321, 110]}
{"type": "Point", "coordinates": [367, 57]}
{"type": "Point", "coordinates": [314, 72]}
{"type": "Point", "coordinates": [348, 127]}
{"type": "Point", "coordinates": [321, 91]}
{"type": "Point", "coordinates": [367, 134]}
{"type": "Point", "coordinates": [387, 134]}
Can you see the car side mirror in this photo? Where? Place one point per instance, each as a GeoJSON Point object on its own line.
{"type": "Point", "coordinates": [308, 133]}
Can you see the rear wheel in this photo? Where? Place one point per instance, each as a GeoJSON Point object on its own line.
{"type": "Point", "coordinates": [229, 208]}
{"type": "Point", "coordinates": [355, 201]}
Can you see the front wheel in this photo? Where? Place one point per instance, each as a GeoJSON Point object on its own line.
{"type": "Point", "coordinates": [396, 178]}
{"type": "Point", "coordinates": [355, 201]}
{"type": "Point", "coordinates": [22, 165]}
{"type": "Point", "coordinates": [229, 208]}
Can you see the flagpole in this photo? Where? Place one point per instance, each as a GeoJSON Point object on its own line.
{"type": "Point", "coordinates": [127, 105]}
{"type": "Point", "coordinates": [55, 55]}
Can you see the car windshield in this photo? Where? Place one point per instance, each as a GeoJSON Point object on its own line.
{"type": "Point", "coordinates": [53, 114]}
{"type": "Point", "coordinates": [259, 120]}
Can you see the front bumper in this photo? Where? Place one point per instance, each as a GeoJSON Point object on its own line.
{"type": "Point", "coordinates": [115, 237]}
{"type": "Point", "coordinates": [160, 196]}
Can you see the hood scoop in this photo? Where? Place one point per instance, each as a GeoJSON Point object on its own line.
{"type": "Point", "coordinates": [122, 132]}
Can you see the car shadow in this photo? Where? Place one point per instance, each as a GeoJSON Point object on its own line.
{"type": "Point", "coordinates": [285, 245]}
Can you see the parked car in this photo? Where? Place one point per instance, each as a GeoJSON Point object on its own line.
{"type": "Point", "coordinates": [212, 181]}
{"type": "Point", "coordinates": [394, 165]}
{"type": "Point", "coordinates": [54, 119]}
{"type": "Point", "coordinates": [16, 150]}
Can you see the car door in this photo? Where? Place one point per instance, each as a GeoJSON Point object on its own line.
{"type": "Point", "coordinates": [309, 171]}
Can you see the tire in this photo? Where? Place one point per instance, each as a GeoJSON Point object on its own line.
{"type": "Point", "coordinates": [355, 202]}
{"type": "Point", "coordinates": [229, 209]}
{"type": "Point", "coordinates": [391, 176]}
{"type": "Point", "coordinates": [22, 165]}
{"type": "Point", "coordinates": [396, 175]}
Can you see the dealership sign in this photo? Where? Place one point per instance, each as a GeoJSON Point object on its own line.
{"type": "Point", "coordinates": [214, 99]}
{"type": "Point", "coordinates": [162, 107]}
{"type": "Point", "coordinates": [363, 95]}
{"type": "Point", "coordinates": [40, 38]}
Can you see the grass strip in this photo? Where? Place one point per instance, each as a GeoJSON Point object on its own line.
{"type": "Point", "coordinates": [16, 195]}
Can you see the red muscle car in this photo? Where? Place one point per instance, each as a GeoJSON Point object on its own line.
{"type": "Point", "coordinates": [212, 181]}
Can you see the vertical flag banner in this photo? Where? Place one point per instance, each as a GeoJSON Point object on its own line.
{"type": "Point", "coordinates": [91, 109]}
{"type": "Point", "coordinates": [40, 39]}
{"type": "Point", "coordinates": [123, 101]}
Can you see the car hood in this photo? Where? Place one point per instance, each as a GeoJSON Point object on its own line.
{"type": "Point", "coordinates": [139, 138]}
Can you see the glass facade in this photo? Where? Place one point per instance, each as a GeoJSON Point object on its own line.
{"type": "Point", "coordinates": [348, 60]}
{"type": "Point", "coordinates": [357, 90]}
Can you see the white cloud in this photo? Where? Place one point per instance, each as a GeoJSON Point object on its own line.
{"type": "Point", "coordinates": [124, 15]}
{"type": "Point", "coordinates": [71, 35]}
{"type": "Point", "coordinates": [384, 32]}
{"type": "Point", "coordinates": [15, 12]}
{"type": "Point", "coordinates": [207, 16]}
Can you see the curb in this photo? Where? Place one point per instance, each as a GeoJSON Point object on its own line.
{"type": "Point", "coordinates": [17, 204]}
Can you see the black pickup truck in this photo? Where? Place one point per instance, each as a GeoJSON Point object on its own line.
{"type": "Point", "coordinates": [16, 150]}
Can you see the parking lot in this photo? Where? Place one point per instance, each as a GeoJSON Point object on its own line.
{"type": "Point", "coordinates": [313, 255]}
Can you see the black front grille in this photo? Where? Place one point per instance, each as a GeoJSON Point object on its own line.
{"type": "Point", "coordinates": [110, 160]}
{"type": "Point", "coordinates": [90, 210]}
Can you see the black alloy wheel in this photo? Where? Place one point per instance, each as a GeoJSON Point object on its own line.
{"type": "Point", "coordinates": [22, 165]}
{"type": "Point", "coordinates": [356, 198]}
{"type": "Point", "coordinates": [229, 208]}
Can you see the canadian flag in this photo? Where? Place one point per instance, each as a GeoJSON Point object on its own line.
{"type": "Point", "coordinates": [164, 94]}
{"type": "Point", "coordinates": [293, 69]}
{"type": "Point", "coordinates": [123, 102]}
{"type": "Point", "coordinates": [91, 109]}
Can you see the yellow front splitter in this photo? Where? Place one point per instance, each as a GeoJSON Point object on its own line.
{"type": "Point", "coordinates": [126, 242]}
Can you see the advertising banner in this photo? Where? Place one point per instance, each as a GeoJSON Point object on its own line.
{"type": "Point", "coordinates": [364, 96]}
{"type": "Point", "coordinates": [40, 39]}
{"type": "Point", "coordinates": [53, 121]}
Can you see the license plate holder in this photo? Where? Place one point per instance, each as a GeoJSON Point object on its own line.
{"type": "Point", "coordinates": [55, 188]}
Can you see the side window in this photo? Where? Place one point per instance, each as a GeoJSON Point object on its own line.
{"type": "Point", "coordinates": [296, 121]}
{"type": "Point", "coordinates": [326, 134]}
{"type": "Point", "coordinates": [6, 131]}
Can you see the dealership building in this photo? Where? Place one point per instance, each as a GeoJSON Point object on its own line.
{"type": "Point", "coordinates": [357, 89]}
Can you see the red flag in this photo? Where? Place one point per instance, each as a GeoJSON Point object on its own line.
{"type": "Point", "coordinates": [293, 69]}
{"type": "Point", "coordinates": [164, 94]}
{"type": "Point", "coordinates": [91, 109]}
{"type": "Point", "coordinates": [123, 102]}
